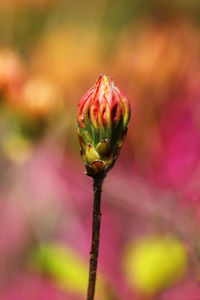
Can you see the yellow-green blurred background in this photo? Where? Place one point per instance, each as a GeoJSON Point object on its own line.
{"type": "Point", "coordinates": [51, 53]}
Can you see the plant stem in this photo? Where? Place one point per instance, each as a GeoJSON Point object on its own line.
{"type": "Point", "coordinates": [96, 222]}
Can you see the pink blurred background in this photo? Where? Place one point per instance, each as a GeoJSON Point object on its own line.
{"type": "Point", "coordinates": [51, 53]}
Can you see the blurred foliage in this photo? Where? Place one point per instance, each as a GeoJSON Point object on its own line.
{"type": "Point", "coordinates": [155, 263]}
{"type": "Point", "coordinates": [63, 265]}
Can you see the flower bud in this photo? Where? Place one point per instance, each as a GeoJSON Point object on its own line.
{"type": "Point", "coordinates": [103, 115]}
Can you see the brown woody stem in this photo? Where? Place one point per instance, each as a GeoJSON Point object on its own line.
{"type": "Point", "coordinates": [96, 223]}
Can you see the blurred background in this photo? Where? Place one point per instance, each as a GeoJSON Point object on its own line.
{"type": "Point", "coordinates": [51, 53]}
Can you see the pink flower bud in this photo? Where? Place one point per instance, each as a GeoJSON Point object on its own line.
{"type": "Point", "coordinates": [103, 115]}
